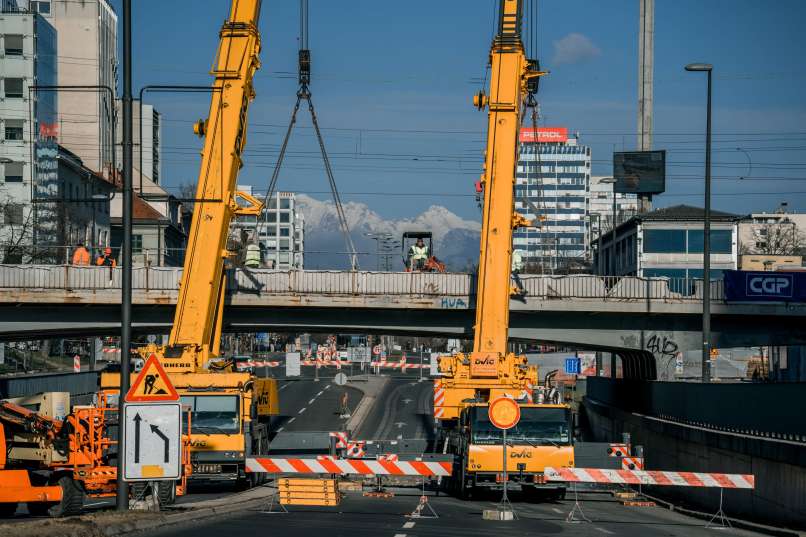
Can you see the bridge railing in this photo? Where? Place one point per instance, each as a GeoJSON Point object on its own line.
{"type": "Point", "coordinates": [325, 282]}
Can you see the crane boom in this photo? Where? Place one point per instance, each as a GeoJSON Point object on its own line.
{"type": "Point", "coordinates": [490, 370]}
{"type": "Point", "coordinates": [196, 331]}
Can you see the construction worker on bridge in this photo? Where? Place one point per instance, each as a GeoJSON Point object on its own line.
{"type": "Point", "coordinates": [418, 255]}
{"type": "Point", "coordinates": [81, 256]}
{"type": "Point", "coordinates": [252, 259]}
{"type": "Point", "coordinates": [106, 260]}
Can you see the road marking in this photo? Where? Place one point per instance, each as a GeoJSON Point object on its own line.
{"type": "Point", "coordinates": [323, 391]}
{"type": "Point", "coordinates": [314, 399]}
{"type": "Point", "coordinates": [302, 410]}
{"type": "Point", "coordinates": [290, 420]}
{"type": "Point", "coordinates": [608, 532]}
{"type": "Point", "coordinates": [284, 386]}
{"type": "Point", "coordinates": [105, 503]}
{"type": "Point", "coordinates": [553, 508]}
{"type": "Point", "coordinates": [404, 535]}
{"type": "Point", "coordinates": [409, 525]}
{"type": "Point", "coordinates": [328, 387]}
{"type": "Point", "coordinates": [280, 430]}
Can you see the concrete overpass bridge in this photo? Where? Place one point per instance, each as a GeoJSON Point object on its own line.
{"type": "Point", "coordinates": [642, 320]}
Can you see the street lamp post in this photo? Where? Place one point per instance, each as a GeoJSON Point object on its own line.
{"type": "Point", "coordinates": [378, 238]}
{"type": "Point", "coordinates": [706, 233]}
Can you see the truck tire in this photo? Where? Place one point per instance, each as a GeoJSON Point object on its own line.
{"type": "Point", "coordinates": [7, 510]}
{"type": "Point", "coordinates": [167, 492]}
{"type": "Point", "coordinates": [71, 504]}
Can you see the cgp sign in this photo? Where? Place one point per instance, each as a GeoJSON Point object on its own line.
{"type": "Point", "coordinates": [764, 286]}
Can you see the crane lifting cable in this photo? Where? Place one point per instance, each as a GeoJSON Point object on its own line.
{"type": "Point", "coordinates": [304, 93]}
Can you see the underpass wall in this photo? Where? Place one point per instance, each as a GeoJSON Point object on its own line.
{"type": "Point", "coordinates": [779, 465]}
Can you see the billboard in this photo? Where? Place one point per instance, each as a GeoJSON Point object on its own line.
{"type": "Point", "coordinates": [543, 135]}
{"type": "Point", "coordinates": [748, 286]}
{"type": "Point", "coordinates": [640, 172]}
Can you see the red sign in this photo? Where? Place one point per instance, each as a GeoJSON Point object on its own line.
{"type": "Point", "coordinates": [544, 134]}
{"type": "Point", "coordinates": [152, 384]}
{"type": "Point", "coordinates": [48, 130]}
{"type": "Point", "coordinates": [504, 413]}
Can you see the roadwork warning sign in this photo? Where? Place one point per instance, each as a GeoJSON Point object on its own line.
{"type": "Point", "coordinates": [152, 384]}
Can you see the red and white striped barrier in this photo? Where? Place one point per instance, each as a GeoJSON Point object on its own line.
{"type": "Point", "coordinates": [439, 399]}
{"type": "Point", "coordinates": [637, 477]}
{"type": "Point", "coordinates": [329, 465]}
{"type": "Point", "coordinates": [326, 363]}
{"type": "Point", "coordinates": [619, 450]}
{"type": "Point", "coordinates": [356, 450]}
{"type": "Point", "coordinates": [341, 439]}
{"type": "Point", "coordinates": [256, 363]}
{"type": "Point", "coordinates": [403, 365]}
{"type": "Point", "coordinates": [390, 457]}
{"type": "Point", "coordinates": [632, 463]}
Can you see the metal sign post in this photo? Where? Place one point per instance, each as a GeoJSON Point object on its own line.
{"type": "Point", "coordinates": [504, 413]}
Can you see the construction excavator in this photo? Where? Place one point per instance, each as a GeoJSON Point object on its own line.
{"type": "Point", "coordinates": [431, 263]}
{"type": "Point", "coordinates": [471, 381]}
{"type": "Point", "coordinates": [230, 409]}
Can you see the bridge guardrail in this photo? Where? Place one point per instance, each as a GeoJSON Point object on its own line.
{"type": "Point", "coordinates": [265, 281]}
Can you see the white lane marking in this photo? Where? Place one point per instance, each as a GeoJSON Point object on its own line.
{"type": "Point", "coordinates": [105, 503]}
{"type": "Point", "coordinates": [314, 399]}
{"type": "Point", "coordinates": [290, 420]}
{"type": "Point", "coordinates": [303, 410]}
{"type": "Point", "coordinates": [328, 387]}
{"type": "Point", "coordinates": [404, 535]}
{"type": "Point", "coordinates": [323, 391]}
{"type": "Point", "coordinates": [553, 508]}
{"type": "Point", "coordinates": [608, 532]}
{"type": "Point", "coordinates": [410, 524]}
{"type": "Point", "coordinates": [281, 429]}
{"type": "Point", "coordinates": [284, 386]}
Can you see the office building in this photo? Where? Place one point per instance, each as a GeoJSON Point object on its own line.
{"type": "Point", "coordinates": [551, 189]}
{"type": "Point", "coordinates": [147, 149]}
{"type": "Point", "coordinates": [280, 231]}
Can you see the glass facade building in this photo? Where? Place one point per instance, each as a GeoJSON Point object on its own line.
{"type": "Point", "coordinates": [552, 189]}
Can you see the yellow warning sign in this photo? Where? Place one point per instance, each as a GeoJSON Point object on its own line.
{"type": "Point", "coordinates": [152, 384]}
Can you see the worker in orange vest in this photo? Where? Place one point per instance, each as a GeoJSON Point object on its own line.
{"type": "Point", "coordinates": [106, 259]}
{"type": "Point", "coordinates": [81, 256]}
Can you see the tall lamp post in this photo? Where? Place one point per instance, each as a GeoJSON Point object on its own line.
{"type": "Point", "coordinates": [378, 237]}
{"type": "Point", "coordinates": [706, 232]}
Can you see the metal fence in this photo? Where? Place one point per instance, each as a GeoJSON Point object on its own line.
{"type": "Point", "coordinates": [358, 283]}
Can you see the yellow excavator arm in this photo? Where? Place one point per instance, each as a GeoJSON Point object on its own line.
{"type": "Point", "coordinates": [195, 336]}
{"type": "Point", "coordinates": [490, 370]}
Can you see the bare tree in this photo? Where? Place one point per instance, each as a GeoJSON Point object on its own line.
{"type": "Point", "coordinates": [778, 238]}
{"type": "Point", "coordinates": [18, 233]}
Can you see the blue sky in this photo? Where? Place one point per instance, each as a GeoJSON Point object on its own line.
{"type": "Point", "coordinates": [393, 81]}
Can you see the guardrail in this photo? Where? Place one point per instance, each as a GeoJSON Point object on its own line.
{"type": "Point", "coordinates": [358, 283]}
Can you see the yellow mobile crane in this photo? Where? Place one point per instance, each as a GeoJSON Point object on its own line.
{"type": "Point", "coordinates": [230, 410]}
{"type": "Point", "coordinates": [471, 381]}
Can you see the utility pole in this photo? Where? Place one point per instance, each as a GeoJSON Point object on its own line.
{"type": "Point", "coordinates": [646, 54]}
{"type": "Point", "coordinates": [122, 495]}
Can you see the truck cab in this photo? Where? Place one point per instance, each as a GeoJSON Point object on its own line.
{"type": "Point", "coordinates": [543, 437]}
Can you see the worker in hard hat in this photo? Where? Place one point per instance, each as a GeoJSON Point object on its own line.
{"type": "Point", "coordinates": [418, 255]}
{"type": "Point", "coordinates": [106, 260]}
{"type": "Point", "coordinates": [517, 267]}
{"type": "Point", "coordinates": [252, 259]}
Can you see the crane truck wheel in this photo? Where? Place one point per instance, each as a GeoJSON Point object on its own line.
{"type": "Point", "coordinates": [71, 504]}
{"type": "Point", "coordinates": [7, 510]}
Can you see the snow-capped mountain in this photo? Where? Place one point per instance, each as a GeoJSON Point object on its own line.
{"type": "Point", "coordinates": [456, 240]}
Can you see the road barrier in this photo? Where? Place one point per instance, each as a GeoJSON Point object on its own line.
{"type": "Point", "coordinates": [439, 399]}
{"type": "Point", "coordinates": [332, 465]}
{"type": "Point", "coordinates": [632, 463]}
{"type": "Point", "coordinates": [637, 477]}
{"type": "Point", "coordinates": [320, 492]}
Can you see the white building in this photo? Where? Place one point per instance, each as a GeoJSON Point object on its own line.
{"type": "Point", "coordinates": [600, 207]}
{"type": "Point", "coordinates": [147, 149]}
{"type": "Point", "coordinates": [280, 231]}
{"type": "Point", "coordinates": [551, 189]}
{"type": "Point", "coordinates": [28, 154]}
{"type": "Point", "coordinates": [87, 40]}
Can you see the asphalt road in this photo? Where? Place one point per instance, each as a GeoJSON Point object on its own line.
{"type": "Point", "coordinates": [308, 405]}
{"type": "Point", "coordinates": [359, 516]}
{"type": "Point", "coordinates": [405, 412]}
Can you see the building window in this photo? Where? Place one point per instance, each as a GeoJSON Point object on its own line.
{"type": "Point", "coordinates": [285, 244]}
{"type": "Point", "coordinates": [285, 218]}
{"type": "Point", "coordinates": [13, 88]}
{"type": "Point", "coordinates": [13, 172]}
{"type": "Point", "coordinates": [721, 241]}
{"type": "Point", "coordinates": [271, 216]}
{"type": "Point", "coordinates": [285, 203]}
{"type": "Point", "coordinates": [665, 241]}
{"type": "Point", "coordinates": [13, 45]}
{"type": "Point", "coordinates": [137, 244]}
{"type": "Point", "coordinates": [12, 215]}
{"type": "Point", "coordinates": [14, 129]}
{"type": "Point", "coordinates": [41, 6]}
{"type": "Point", "coordinates": [285, 232]}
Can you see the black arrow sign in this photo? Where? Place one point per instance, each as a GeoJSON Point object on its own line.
{"type": "Point", "coordinates": [156, 431]}
{"type": "Point", "coordinates": [137, 420]}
